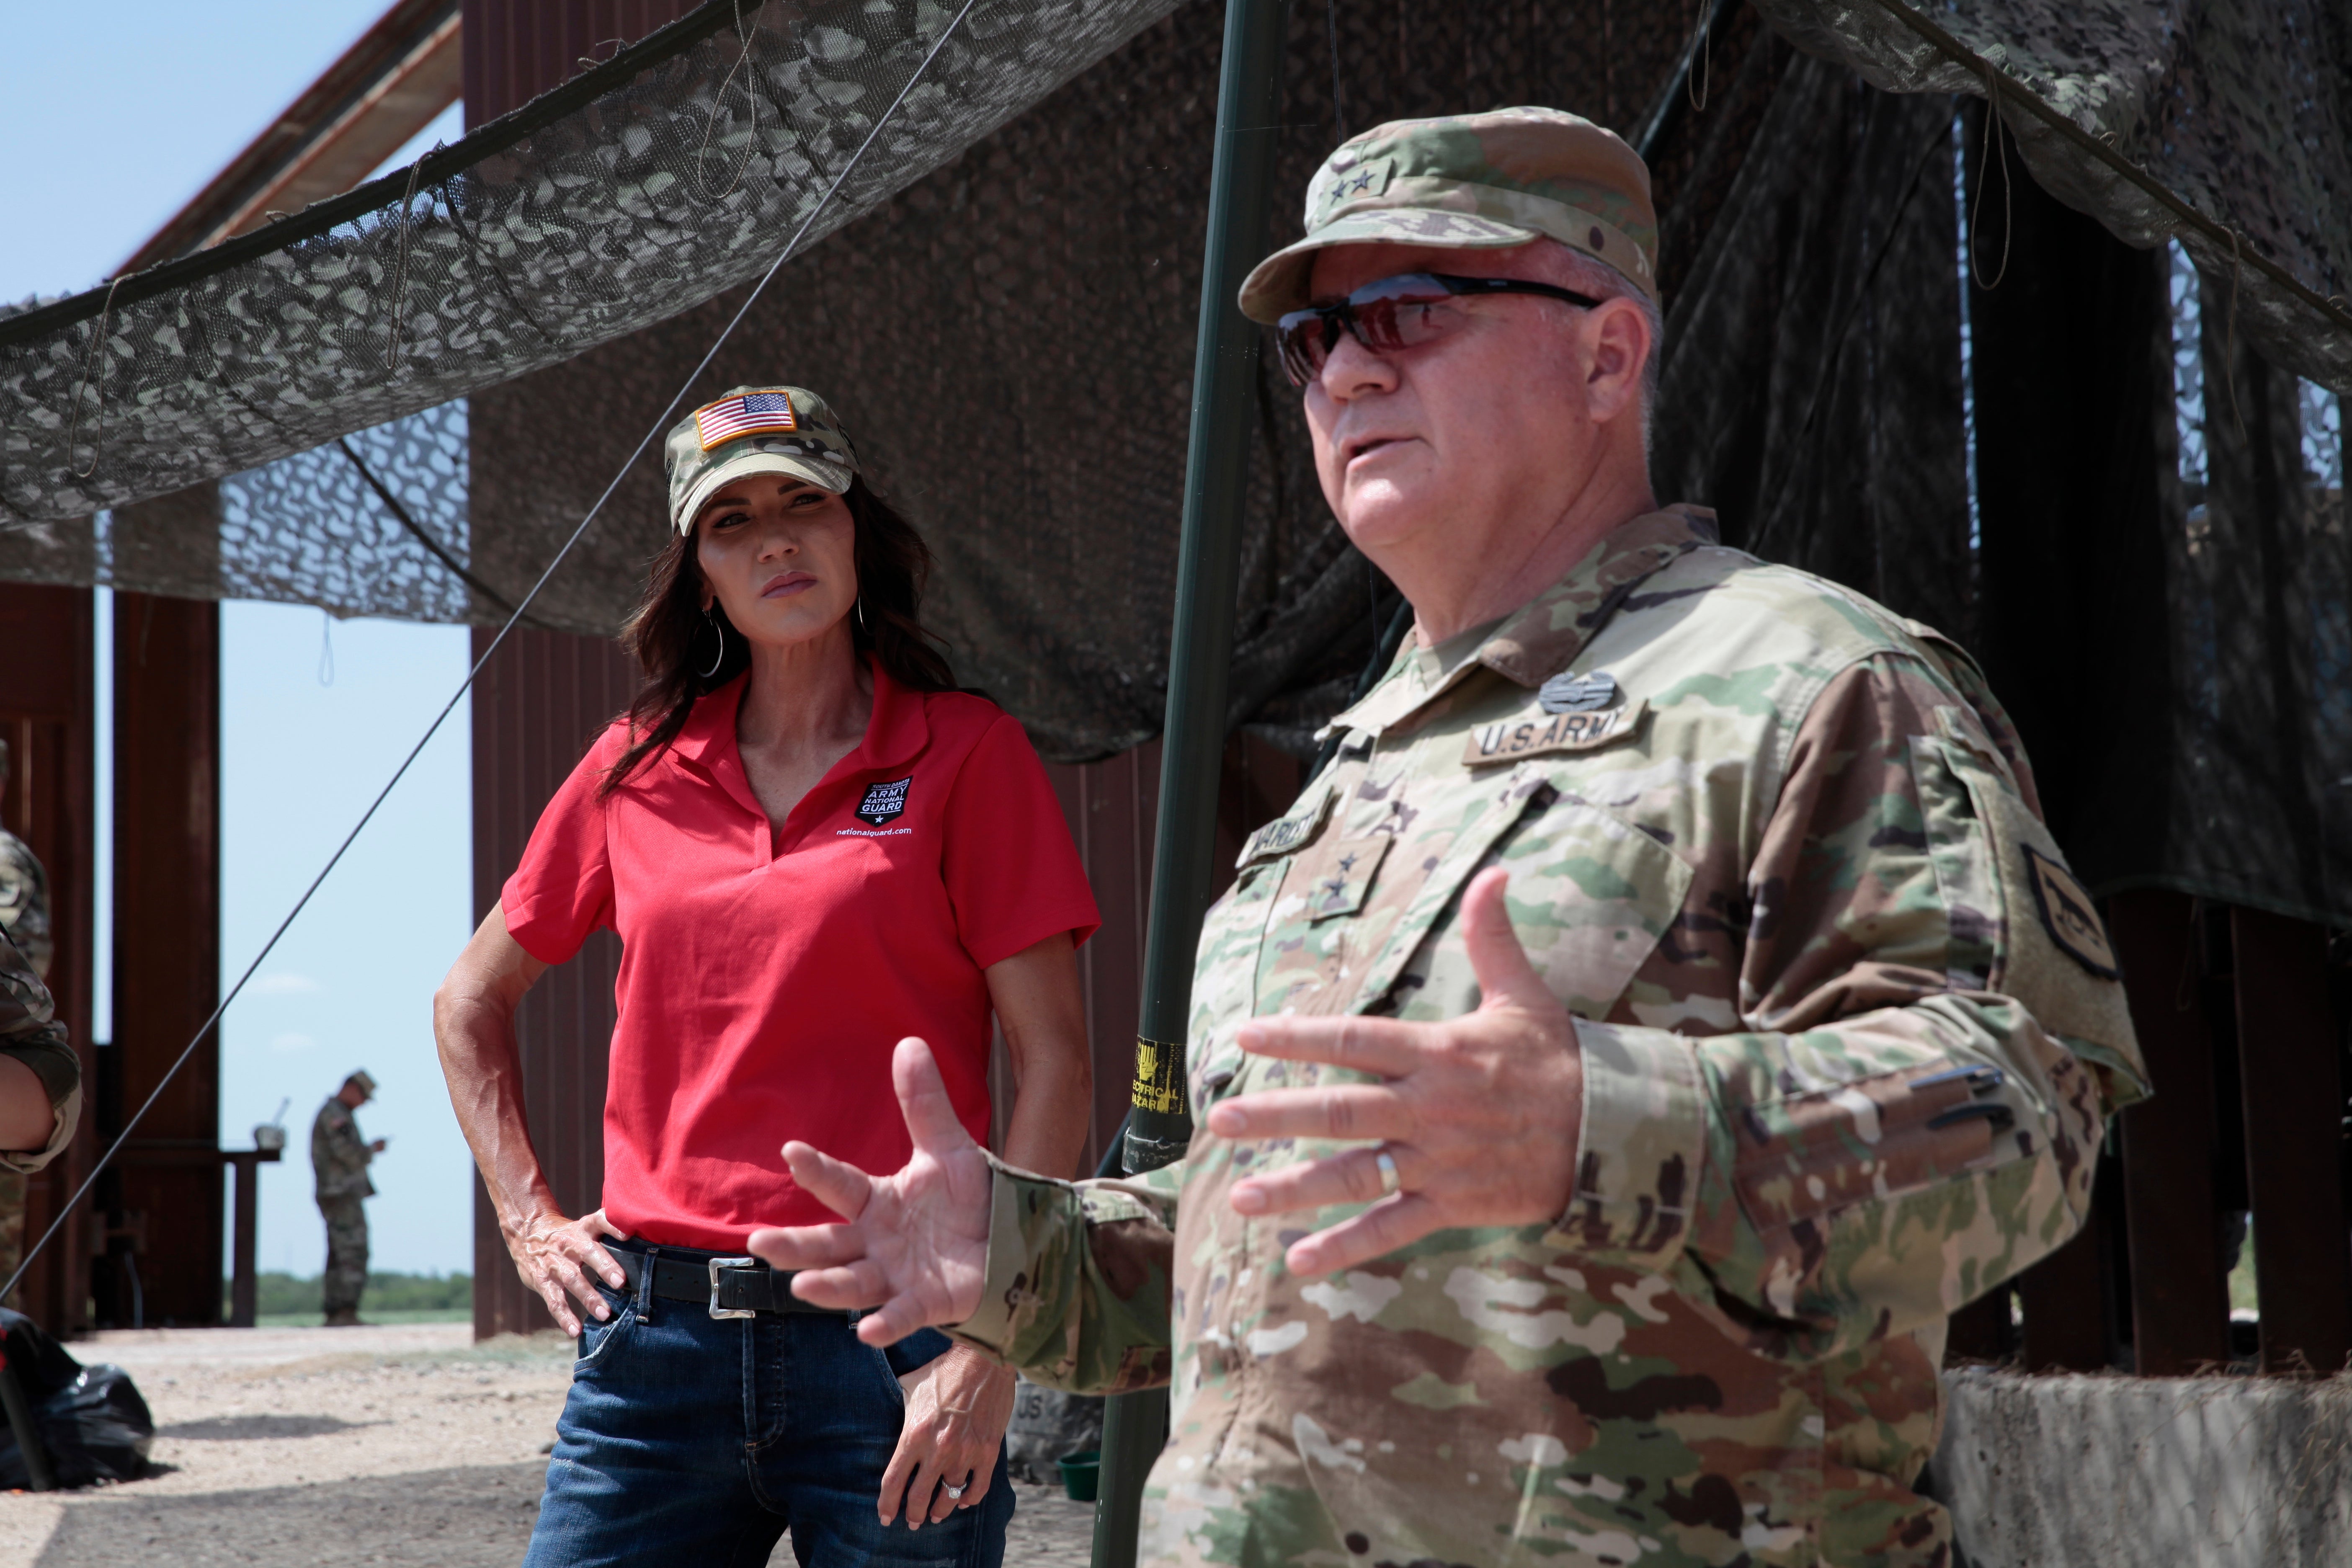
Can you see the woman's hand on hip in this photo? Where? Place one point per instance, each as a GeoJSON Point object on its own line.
{"type": "Point", "coordinates": [555, 1255]}
{"type": "Point", "coordinates": [914, 1245]}
{"type": "Point", "coordinates": [957, 1409]}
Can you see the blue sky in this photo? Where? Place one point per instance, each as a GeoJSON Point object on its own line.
{"type": "Point", "coordinates": [112, 117]}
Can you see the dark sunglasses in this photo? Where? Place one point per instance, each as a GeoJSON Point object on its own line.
{"type": "Point", "coordinates": [1394, 313]}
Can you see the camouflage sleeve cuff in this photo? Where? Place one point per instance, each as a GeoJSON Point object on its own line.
{"type": "Point", "coordinates": [59, 1067]}
{"type": "Point", "coordinates": [1011, 1271]}
{"type": "Point", "coordinates": [1060, 1297]}
{"type": "Point", "coordinates": [1640, 1147]}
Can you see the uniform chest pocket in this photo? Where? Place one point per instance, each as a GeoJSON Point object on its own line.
{"type": "Point", "coordinates": [1590, 898]}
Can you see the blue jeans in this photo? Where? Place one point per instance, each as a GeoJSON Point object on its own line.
{"type": "Point", "coordinates": [689, 1439]}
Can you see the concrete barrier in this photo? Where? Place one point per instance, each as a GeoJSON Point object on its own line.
{"type": "Point", "coordinates": [2073, 1471]}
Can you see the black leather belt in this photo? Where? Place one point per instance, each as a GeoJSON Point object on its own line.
{"type": "Point", "coordinates": [729, 1287]}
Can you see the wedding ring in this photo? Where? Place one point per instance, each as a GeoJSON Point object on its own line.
{"type": "Point", "coordinates": [957, 1492]}
{"type": "Point", "coordinates": [1390, 1185]}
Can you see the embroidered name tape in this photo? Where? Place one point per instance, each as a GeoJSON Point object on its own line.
{"type": "Point", "coordinates": [752, 413]}
{"type": "Point", "coordinates": [1514, 739]}
{"type": "Point", "coordinates": [1284, 834]}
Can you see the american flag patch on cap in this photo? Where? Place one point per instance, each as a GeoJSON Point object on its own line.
{"type": "Point", "coordinates": [752, 413]}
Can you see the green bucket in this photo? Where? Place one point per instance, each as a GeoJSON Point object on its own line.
{"type": "Point", "coordinates": [1080, 1472]}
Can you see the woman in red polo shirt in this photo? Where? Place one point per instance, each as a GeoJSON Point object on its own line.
{"type": "Point", "coordinates": [812, 845]}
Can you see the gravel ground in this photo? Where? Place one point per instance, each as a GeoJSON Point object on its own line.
{"type": "Point", "coordinates": [278, 1447]}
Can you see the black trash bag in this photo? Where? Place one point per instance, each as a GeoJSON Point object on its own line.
{"type": "Point", "coordinates": [95, 1423]}
{"type": "Point", "coordinates": [43, 1365]}
{"type": "Point", "coordinates": [98, 1428]}
{"type": "Point", "coordinates": [1049, 1426]}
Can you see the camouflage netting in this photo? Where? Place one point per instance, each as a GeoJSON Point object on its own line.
{"type": "Point", "coordinates": [535, 239]}
{"type": "Point", "coordinates": [2242, 108]}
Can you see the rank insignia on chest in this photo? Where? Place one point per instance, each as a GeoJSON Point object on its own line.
{"type": "Point", "coordinates": [1577, 693]}
{"type": "Point", "coordinates": [884, 801]}
{"type": "Point", "coordinates": [1514, 738]}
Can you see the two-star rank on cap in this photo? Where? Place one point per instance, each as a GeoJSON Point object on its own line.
{"type": "Point", "coordinates": [752, 414]}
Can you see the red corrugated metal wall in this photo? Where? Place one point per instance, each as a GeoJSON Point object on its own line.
{"type": "Point", "coordinates": [542, 698]}
{"type": "Point", "coordinates": [45, 716]}
{"type": "Point", "coordinates": [517, 49]}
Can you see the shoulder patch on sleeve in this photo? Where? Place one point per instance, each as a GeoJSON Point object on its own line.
{"type": "Point", "coordinates": [2068, 916]}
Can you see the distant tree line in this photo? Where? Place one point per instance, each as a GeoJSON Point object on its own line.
{"type": "Point", "coordinates": [277, 1293]}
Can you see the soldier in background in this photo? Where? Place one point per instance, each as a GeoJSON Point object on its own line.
{"type": "Point", "coordinates": [24, 916]}
{"type": "Point", "coordinates": [340, 1158]}
{"type": "Point", "coordinates": [1665, 1008]}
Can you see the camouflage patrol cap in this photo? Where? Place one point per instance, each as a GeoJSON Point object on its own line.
{"type": "Point", "coordinates": [367, 1084]}
{"type": "Point", "coordinates": [1474, 182]}
{"type": "Point", "coordinates": [754, 430]}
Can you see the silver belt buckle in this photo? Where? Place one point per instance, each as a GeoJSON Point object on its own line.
{"type": "Point", "coordinates": [716, 1265]}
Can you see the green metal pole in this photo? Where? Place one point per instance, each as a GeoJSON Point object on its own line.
{"type": "Point", "coordinates": [1225, 387]}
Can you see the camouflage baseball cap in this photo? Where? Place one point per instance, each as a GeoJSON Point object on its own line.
{"type": "Point", "coordinates": [1475, 181]}
{"type": "Point", "coordinates": [361, 1078]}
{"type": "Point", "coordinates": [754, 430]}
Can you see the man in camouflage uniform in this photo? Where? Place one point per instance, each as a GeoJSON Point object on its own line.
{"type": "Point", "coordinates": [24, 916]}
{"type": "Point", "coordinates": [1664, 1011]}
{"type": "Point", "coordinates": [340, 1159]}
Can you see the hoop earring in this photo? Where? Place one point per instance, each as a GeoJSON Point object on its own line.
{"type": "Point", "coordinates": [720, 657]}
{"type": "Point", "coordinates": [861, 612]}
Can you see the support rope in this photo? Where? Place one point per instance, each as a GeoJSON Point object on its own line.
{"type": "Point", "coordinates": [97, 349]}
{"type": "Point", "coordinates": [400, 266]}
{"type": "Point", "coordinates": [1993, 133]}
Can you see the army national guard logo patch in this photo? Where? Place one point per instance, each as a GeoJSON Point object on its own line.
{"type": "Point", "coordinates": [2067, 914]}
{"type": "Point", "coordinates": [884, 801]}
{"type": "Point", "coordinates": [1516, 738]}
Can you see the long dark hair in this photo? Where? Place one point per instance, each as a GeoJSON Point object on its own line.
{"type": "Point", "coordinates": [672, 642]}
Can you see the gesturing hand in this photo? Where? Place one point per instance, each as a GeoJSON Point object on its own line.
{"type": "Point", "coordinates": [1478, 1116]}
{"type": "Point", "coordinates": [915, 1243]}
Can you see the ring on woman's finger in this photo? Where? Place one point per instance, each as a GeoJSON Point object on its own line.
{"type": "Point", "coordinates": [1390, 1184]}
{"type": "Point", "coordinates": [957, 1491]}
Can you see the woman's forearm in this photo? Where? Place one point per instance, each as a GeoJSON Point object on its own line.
{"type": "Point", "coordinates": [484, 1068]}
{"type": "Point", "coordinates": [1051, 1111]}
{"type": "Point", "coordinates": [473, 1028]}
{"type": "Point", "coordinates": [1038, 1000]}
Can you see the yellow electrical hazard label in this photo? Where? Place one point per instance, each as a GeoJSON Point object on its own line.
{"type": "Point", "coordinates": [1160, 1076]}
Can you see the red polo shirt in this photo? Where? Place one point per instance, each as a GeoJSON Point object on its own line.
{"type": "Point", "coordinates": [762, 984]}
